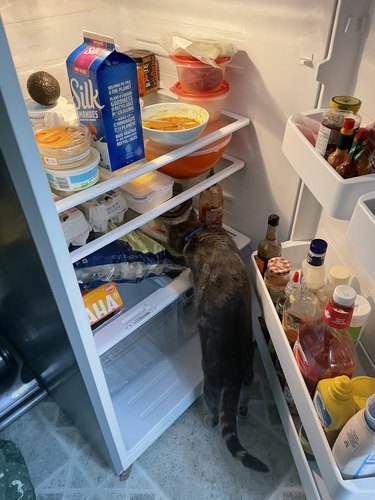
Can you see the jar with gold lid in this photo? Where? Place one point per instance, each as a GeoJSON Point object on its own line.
{"type": "Point", "coordinates": [277, 276]}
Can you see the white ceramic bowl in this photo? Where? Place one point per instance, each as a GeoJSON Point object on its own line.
{"type": "Point", "coordinates": [174, 109]}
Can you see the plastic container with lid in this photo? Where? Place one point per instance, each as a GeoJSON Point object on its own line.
{"type": "Point", "coordinates": [148, 191]}
{"type": "Point", "coordinates": [64, 146]}
{"type": "Point", "coordinates": [211, 101]}
{"type": "Point", "coordinates": [77, 178]}
{"type": "Point", "coordinates": [277, 276]}
{"type": "Point", "coordinates": [340, 107]}
{"type": "Point", "coordinates": [196, 76]}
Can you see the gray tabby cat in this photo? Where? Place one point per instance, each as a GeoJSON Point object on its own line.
{"type": "Point", "coordinates": [222, 293]}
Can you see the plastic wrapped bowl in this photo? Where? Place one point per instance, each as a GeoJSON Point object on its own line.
{"type": "Point", "coordinates": [196, 76]}
{"type": "Point", "coordinates": [210, 101]}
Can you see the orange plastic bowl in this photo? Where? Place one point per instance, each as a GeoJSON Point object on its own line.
{"type": "Point", "coordinates": [192, 165]}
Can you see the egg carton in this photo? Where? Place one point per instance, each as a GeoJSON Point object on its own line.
{"type": "Point", "coordinates": [75, 226]}
{"type": "Point", "coordinates": [110, 206]}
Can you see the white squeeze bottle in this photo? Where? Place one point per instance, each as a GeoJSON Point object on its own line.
{"type": "Point", "coordinates": [313, 268]}
{"type": "Point", "coordinates": [354, 448]}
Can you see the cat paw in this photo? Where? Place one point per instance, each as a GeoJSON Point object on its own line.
{"type": "Point", "coordinates": [210, 421]}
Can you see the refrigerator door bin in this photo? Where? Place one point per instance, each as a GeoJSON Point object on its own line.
{"type": "Point", "coordinates": [361, 231]}
{"type": "Point", "coordinates": [337, 196]}
{"type": "Point", "coordinates": [154, 374]}
{"type": "Point", "coordinates": [329, 472]}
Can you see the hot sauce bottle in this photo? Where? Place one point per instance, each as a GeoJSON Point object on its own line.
{"type": "Point", "coordinates": [349, 168]}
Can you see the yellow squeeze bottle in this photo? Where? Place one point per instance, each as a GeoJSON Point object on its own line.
{"type": "Point", "coordinates": [334, 404]}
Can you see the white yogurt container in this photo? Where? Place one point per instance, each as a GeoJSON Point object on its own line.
{"type": "Point", "coordinates": [77, 178]}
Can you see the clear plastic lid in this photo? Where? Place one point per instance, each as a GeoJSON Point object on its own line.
{"type": "Point", "coordinates": [222, 91]}
{"type": "Point", "coordinates": [147, 184]}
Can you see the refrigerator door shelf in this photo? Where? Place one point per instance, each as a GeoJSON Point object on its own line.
{"type": "Point", "coordinates": [336, 195]}
{"type": "Point", "coordinates": [227, 166]}
{"type": "Point", "coordinates": [361, 231]}
{"type": "Point", "coordinates": [329, 472]}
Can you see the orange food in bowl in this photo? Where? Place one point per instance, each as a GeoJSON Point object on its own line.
{"type": "Point", "coordinates": [191, 165]}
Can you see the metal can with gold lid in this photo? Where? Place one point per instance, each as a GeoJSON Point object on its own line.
{"type": "Point", "coordinates": [277, 276]}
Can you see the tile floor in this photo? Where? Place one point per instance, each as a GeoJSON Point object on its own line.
{"type": "Point", "coordinates": [188, 462]}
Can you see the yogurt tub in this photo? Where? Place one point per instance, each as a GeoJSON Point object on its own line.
{"type": "Point", "coordinates": [78, 178]}
{"type": "Point", "coordinates": [210, 101]}
{"type": "Point", "coordinates": [64, 146]}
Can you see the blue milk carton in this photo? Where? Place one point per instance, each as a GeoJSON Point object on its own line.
{"type": "Point", "coordinates": [104, 87]}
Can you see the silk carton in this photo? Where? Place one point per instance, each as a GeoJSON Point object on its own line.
{"type": "Point", "coordinates": [104, 86]}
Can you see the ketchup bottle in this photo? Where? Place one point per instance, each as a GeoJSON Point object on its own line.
{"type": "Point", "coordinates": [325, 349]}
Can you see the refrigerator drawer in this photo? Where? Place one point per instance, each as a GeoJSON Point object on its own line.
{"type": "Point", "coordinates": [154, 374]}
{"type": "Point", "coordinates": [337, 196]}
{"type": "Point", "coordinates": [325, 469]}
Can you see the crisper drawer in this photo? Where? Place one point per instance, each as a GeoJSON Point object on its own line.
{"type": "Point", "coordinates": [336, 486]}
{"type": "Point", "coordinates": [151, 371]}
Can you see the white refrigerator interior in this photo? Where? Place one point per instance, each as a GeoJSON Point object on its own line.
{"type": "Point", "coordinates": [292, 57]}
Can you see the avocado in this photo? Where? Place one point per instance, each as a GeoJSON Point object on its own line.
{"type": "Point", "coordinates": [43, 88]}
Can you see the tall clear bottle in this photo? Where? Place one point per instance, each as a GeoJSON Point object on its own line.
{"type": "Point", "coordinates": [313, 267]}
{"type": "Point", "coordinates": [269, 246]}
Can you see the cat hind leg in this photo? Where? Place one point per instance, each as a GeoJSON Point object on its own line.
{"type": "Point", "coordinates": [211, 397]}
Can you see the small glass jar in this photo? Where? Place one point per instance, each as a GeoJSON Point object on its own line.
{"type": "Point", "coordinates": [340, 107]}
{"type": "Point", "coordinates": [277, 277]}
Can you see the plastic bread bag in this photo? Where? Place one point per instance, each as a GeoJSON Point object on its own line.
{"type": "Point", "coordinates": [206, 50]}
{"type": "Point", "coordinates": [131, 259]}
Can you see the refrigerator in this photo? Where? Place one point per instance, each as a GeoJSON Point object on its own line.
{"type": "Point", "coordinates": [138, 373]}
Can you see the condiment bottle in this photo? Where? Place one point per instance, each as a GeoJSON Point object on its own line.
{"type": "Point", "coordinates": [313, 267]}
{"type": "Point", "coordinates": [345, 140]}
{"type": "Point", "coordinates": [292, 286]}
{"type": "Point", "coordinates": [211, 204]}
{"type": "Point", "coordinates": [340, 107]}
{"type": "Point", "coordinates": [349, 168]}
{"type": "Point", "coordinates": [325, 349]}
{"type": "Point", "coordinates": [301, 307]}
{"type": "Point", "coordinates": [334, 404]}
{"type": "Point", "coordinates": [354, 447]}
{"type": "Point", "coordinates": [362, 310]}
{"type": "Point", "coordinates": [269, 247]}
{"type": "Point", "coordinates": [277, 276]}
{"type": "Point", "coordinates": [338, 275]}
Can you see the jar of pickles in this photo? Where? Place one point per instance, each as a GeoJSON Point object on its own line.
{"type": "Point", "coordinates": [277, 276]}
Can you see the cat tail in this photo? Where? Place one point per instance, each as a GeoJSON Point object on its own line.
{"type": "Point", "coordinates": [228, 422]}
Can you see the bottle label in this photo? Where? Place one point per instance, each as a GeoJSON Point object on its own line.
{"type": "Point", "coordinates": [367, 467]}
{"type": "Point", "coordinates": [214, 216]}
{"type": "Point", "coordinates": [337, 317]}
{"type": "Point", "coordinates": [327, 140]}
{"type": "Point", "coordinates": [291, 326]}
{"type": "Point", "coordinates": [315, 259]}
{"type": "Point", "coordinates": [356, 151]}
{"type": "Point", "coordinates": [321, 410]}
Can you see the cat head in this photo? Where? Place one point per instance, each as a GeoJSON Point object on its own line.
{"type": "Point", "coordinates": [177, 232]}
